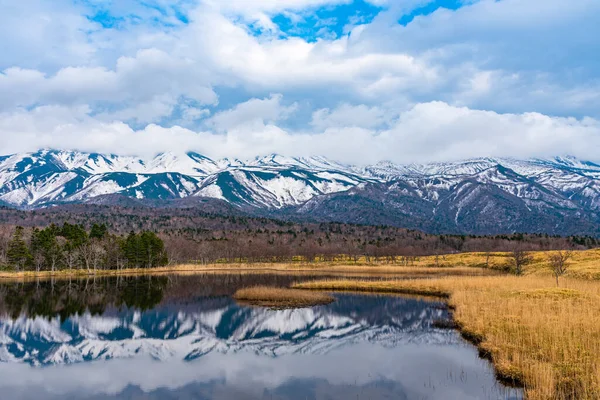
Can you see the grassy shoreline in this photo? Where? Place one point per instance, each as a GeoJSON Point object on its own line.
{"type": "Point", "coordinates": [583, 265]}
{"type": "Point", "coordinates": [324, 268]}
{"type": "Point", "coordinates": [546, 338]}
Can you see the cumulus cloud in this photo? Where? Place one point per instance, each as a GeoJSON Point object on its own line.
{"type": "Point", "coordinates": [251, 113]}
{"type": "Point", "coordinates": [490, 78]}
{"type": "Point", "coordinates": [347, 115]}
{"type": "Point", "coordinates": [43, 34]}
{"type": "Point", "coordinates": [293, 64]}
{"type": "Point", "coordinates": [432, 131]}
{"type": "Point", "coordinates": [150, 72]}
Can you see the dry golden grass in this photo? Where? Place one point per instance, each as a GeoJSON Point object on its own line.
{"type": "Point", "coordinates": [584, 264]}
{"type": "Point", "coordinates": [275, 297]}
{"type": "Point", "coordinates": [345, 268]}
{"type": "Point", "coordinates": [544, 336]}
{"type": "Point", "coordinates": [284, 269]}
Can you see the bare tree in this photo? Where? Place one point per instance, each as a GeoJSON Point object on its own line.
{"type": "Point", "coordinates": [87, 252]}
{"type": "Point", "coordinates": [38, 261]}
{"type": "Point", "coordinates": [71, 258]}
{"type": "Point", "coordinates": [520, 259]}
{"type": "Point", "coordinates": [559, 263]}
{"type": "Point", "coordinates": [97, 255]}
{"type": "Point", "coordinates": [488, 255]}
{"type": "Point", "coordinates": [54, 258]}
{"type": "Point", "coordinates": [56, 253]}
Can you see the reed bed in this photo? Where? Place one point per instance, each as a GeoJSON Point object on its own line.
{"type": "Point", "coordinates": [584, 264]}
{"type": "Point", "coordinates": [342, 268]}
{"type": "Point", "coordinates": [545, 337]}
{"type": "Point", "coordinates": [275, 297]}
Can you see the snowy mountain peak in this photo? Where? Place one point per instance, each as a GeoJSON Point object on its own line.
{"type": "Point", "coordinates": [572, 162]}
{"type": "Point", "coordinates": [51, 176]}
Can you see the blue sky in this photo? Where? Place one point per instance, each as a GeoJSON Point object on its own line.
{"type": "Point", "coordinates": [356, 80]}
{"type": "Point", "coordinates": [311, 24]}
{"type": "Point", "coordinates": [118, 15]}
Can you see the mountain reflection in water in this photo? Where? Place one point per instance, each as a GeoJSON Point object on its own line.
{"type": "Point", "coordinates": [185, 338]}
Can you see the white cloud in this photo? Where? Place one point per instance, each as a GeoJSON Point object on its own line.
{"type": "Point", "coordinates": [347, 115]}
{"type": "Point", "coordinates": [425, 132]}
{"type": "Point", "coordinates": [143, 88]}
{"type": "Point", "coordinates": [190, 114]}
{"type": "Point", "coordinates": [43, 34]}
{"type": "Point", "coordinates": [293, 64]}
{"type": "Point", "coordinates": [251, 113]}
{"type": "Point", "coordinates": [151, 111]}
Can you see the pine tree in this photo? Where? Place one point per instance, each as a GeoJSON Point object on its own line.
{"type": "Point", "coordinates": [98, 231]}
{"type": "Point", "coordinates": [75, 234]}
{"type": "Point", "coordinates": [153, 248]}
{"type": "Point", "coordinates": [132, 250]}
{"type": "Point", "coordinates": [18, 253]}
{"type": "Point", "coordinates": [144, 250]}
{"type": "Point", "coordinates": [45, 247]}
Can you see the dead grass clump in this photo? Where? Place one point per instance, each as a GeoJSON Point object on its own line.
{"type": "Point", "coordinates": [274, 297]}
{"type": "Point", "coordinates": [545, 337]}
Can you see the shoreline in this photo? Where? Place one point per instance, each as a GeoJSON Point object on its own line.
{"type": "Point", "coordinates": [583, 265]}
{"type": "Point", "coordinates": [381, 270]}
{"type": "Point", "coordinates": [536, 335]}
{"type": "Point", "coordinates": [453, 324]}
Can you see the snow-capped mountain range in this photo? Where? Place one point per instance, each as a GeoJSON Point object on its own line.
{"type": "Point", "coordinates": [49, 177]}
{"type": "Point", "coordinates": [484, 195]}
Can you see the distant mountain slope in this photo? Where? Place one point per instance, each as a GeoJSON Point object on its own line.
{"type": "Point", "coordinates": [490, 202]}
{"type": "Point", "coordinates": [486, 195]}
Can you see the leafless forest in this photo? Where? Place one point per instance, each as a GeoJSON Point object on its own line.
{"type": "Point", "coordinates": [191, 235]}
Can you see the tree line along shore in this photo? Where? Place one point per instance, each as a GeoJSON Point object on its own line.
{"type": "Point", "coordinates": [99, 247]}
{"type": "Point", "coordinates": [193, 235]}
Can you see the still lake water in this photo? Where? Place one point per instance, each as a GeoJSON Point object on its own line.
{"type": "Point", "coordinates": [185, 338]}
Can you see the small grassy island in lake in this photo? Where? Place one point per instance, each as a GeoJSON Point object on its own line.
{"type": "Point", "coordinates": [274, 297]}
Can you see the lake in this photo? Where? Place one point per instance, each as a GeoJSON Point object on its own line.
{"type": "Point", "coordinates": [184, 337]}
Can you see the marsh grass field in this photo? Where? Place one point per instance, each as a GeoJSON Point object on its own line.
{"type": "Point", "coordinates": [544, 337]}
{"type": "Point", "coordinates": [584, 264]}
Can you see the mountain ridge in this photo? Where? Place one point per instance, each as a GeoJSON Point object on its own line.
{"type": "Point", "coordinates": [480, 195]}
